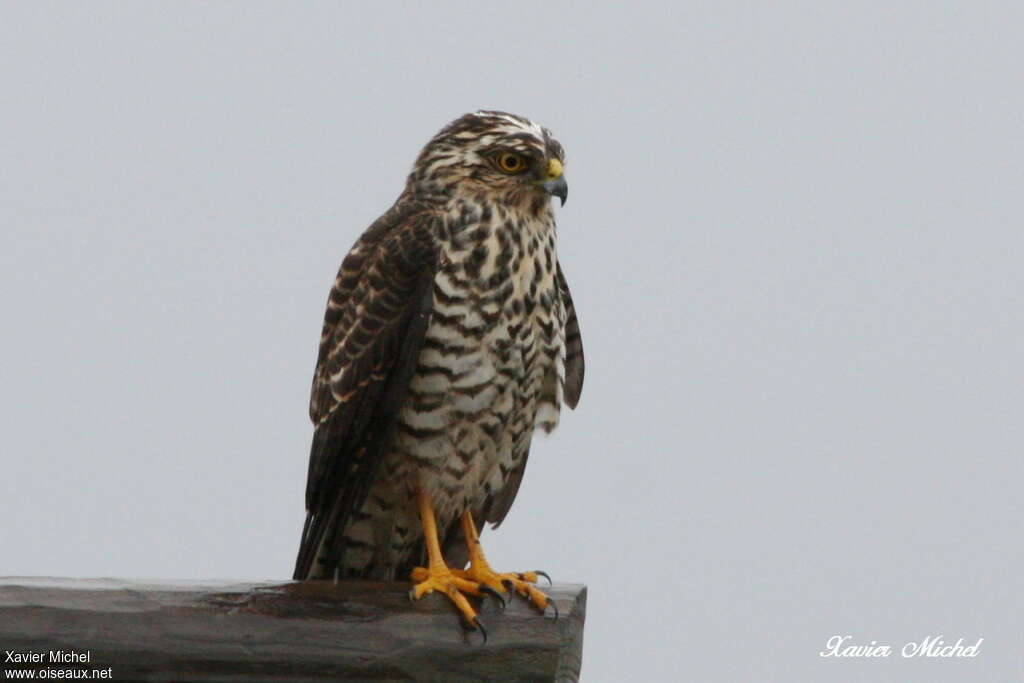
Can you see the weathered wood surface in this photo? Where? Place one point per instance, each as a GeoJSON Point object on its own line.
{"type": "Point", "coordinates": [311, 631]}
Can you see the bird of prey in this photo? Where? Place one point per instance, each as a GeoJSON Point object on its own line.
{"type": "Point", "coordinates": [449, 337]}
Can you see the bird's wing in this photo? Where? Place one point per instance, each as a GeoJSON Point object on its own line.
{"type": "Point", "coordinates": [500, 504]}
{"type": "Point", "coordinates": [573, 346]}
{"type": "Point", "coordinates": [377, 315]}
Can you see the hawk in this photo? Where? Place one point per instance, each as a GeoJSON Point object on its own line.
{"type": "Point", "coordinates": [449, 337]}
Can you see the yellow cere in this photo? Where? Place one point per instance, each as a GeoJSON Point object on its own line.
{"type": "Point", "coordinates": [554, 169]}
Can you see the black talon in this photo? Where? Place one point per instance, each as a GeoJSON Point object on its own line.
{"type": "Point", "coordinates": [553, 606]}
{"type": "Point", "coordinates": [545, 575]}
{"type": "Point", "coordinates": [507, 583]}
{"type": "Point", "coordinates": [495, 594]}
{"type": "Point", "coordinates": [477, 624]}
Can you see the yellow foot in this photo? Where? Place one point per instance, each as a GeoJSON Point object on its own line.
{"type": "Point", "coordinates": [520, 582]}
{"type": "Point", "coordinates": [444, 580]}
{"type": "Point", "coordinates": [438, 577]}
{"type": "Point", "coordinates": [488, 580]}
{"type": "Point", "coordinates": [480, 579]}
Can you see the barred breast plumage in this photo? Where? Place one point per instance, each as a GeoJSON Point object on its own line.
{"type": "Point", "coordinates": [491, 369]}
{"type": "Point", "coordinates": [498, 334]}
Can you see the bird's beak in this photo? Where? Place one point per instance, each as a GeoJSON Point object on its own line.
{"type": "Point", "coordinates": [554, 183]}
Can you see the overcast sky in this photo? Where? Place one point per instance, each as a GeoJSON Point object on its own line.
{"type": "Point", "coordinates": [794, 239]}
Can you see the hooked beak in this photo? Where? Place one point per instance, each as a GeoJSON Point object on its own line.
{"type": "Point", "coordinates": [557, 188]}
{"type": "Point", "coordinates": [555, 184]}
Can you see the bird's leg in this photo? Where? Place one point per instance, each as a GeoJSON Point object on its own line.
{"type": "Point", "coordinates": [481, 573]}
{"type": "Point", "coordinates": [437, 576]}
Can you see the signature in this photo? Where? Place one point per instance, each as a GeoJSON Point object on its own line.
{"type": "Point", "coordinates": [931, 646]}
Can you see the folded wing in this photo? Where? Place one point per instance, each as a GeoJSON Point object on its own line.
{"type": "Point", "coordinates": [377, 315]}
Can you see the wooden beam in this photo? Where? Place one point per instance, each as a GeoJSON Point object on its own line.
{"type": "Point", "coordinates": [206, 631]}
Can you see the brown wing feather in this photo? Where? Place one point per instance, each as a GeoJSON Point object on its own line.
{"type": "Point", "coordinates": [573, 346]}
{"type": "Point", "coordinates": [377, 315]}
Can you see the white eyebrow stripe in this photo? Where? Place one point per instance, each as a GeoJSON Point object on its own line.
{"type": "Point", "coordinates": [514, 125]}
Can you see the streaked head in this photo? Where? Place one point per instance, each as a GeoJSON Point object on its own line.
{"type": "Point", "coordinates": [492, 154]}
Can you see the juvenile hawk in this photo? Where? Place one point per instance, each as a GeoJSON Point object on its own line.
{"type": "Point", "coordinates": [450, 335]}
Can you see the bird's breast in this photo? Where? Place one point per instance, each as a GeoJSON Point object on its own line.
{"type": "Point", "coordinates": [490, 368]}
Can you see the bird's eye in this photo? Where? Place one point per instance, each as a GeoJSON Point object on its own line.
{"type": "Point", "coordinates": [510, 162]}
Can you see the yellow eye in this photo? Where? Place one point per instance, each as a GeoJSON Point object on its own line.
{"type": "Point", "coordinates": [510, 162]}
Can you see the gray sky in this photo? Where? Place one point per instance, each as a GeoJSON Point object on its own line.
{"type": "Point", "coordinates": [793, 237]}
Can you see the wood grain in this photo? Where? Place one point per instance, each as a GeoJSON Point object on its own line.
{"type": "Point", "coordinates": [314, 630]}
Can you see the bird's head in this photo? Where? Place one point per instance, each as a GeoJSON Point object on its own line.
{"type": "Point", "coordinates": [491, 155]}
